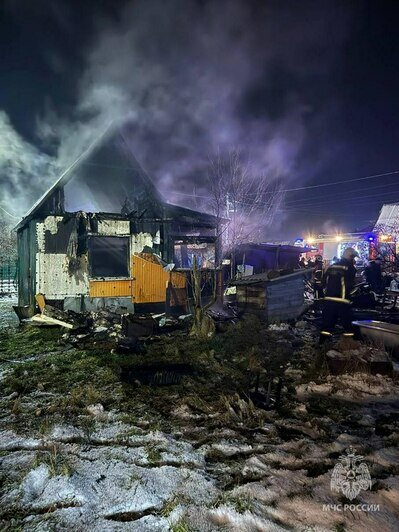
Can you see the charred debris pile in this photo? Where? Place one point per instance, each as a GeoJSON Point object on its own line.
{"type": "Point", "coordinates": [107, 329]}
{"type": "Point", "coordinates": [244, 357]}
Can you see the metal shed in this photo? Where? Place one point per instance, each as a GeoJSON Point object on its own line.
{"type": "Point", "coordinates": [276, 300]}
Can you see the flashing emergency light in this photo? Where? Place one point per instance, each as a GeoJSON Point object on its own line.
{"type": "Point", "coordinates": [370, 237]}
{"type": "Point", "coordinates": [298, 241]}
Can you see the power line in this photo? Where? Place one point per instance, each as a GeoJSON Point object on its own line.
{"type": "Point", "coordinates": [351, 199]}
{"type": "Point", "coordinates": [316, 212]}
{"type": "Point", "coordinates": [344, 181]}
{"type": "Point", "coordinates": [341, 182]}
{"type": "Point", "coordinates": [359, 199]}
{"type": "Point", "coordinates": [8, 213]}
{"type": "Point", "coordinates": [366, 188]}
{"type": "Point", "coordinates": [319, 214]}
{"type": "Point", "coordinates": [324, 209]}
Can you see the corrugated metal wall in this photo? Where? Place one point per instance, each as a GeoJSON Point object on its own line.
{"type": "Point", "coordinates": [111, 288]}
{"type": "Point", "coordinates": [285, 299]}
{"type": "Point", "coordinates": [279, 300]}
{"type": "Point", "coordinates": [150, 280]}
{"type": "Point", "coordinates": [148, 284]}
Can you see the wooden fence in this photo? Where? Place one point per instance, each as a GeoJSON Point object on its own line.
{"type": "Point", "coordinates": [8, 277]}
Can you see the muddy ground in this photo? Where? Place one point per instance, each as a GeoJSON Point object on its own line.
{"type": "Point", "coordinates": [89, 442]}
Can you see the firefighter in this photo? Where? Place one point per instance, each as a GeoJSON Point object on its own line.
{"type": "Point", "coordinates": [318, 277]}
{"type": "Point", "coordinates": [373, 274]}
{"type": "Point", "coordinates": [338, 281]}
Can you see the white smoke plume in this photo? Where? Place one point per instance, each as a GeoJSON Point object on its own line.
{"type": "Point", "coordinates": [194, 78]}
{"type": "Point", "coordinates": [22, 167]}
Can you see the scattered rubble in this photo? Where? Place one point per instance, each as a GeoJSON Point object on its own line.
{"type": "Point", "coordinates": [363, 358]}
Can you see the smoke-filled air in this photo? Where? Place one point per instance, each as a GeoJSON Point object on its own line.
{"type": "Point", "coordinates": [195, 84]}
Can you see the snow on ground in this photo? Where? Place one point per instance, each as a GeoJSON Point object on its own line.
{"type": "Point", "coordinates": [8, 318]}
{"type": "Point", "coordinates": [150, 480]}
{"type": "Point", "coordinates": [106, 484]}
{"type": "Point", "coordinates": [99, 471]}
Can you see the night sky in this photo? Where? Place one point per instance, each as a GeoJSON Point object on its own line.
{"type": "Point", "coordinates": [307, 91]}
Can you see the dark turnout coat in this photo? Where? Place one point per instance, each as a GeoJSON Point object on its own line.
{"type": "Point", "coordinates": [339, 280]}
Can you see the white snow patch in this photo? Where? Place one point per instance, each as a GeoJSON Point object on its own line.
{"type": "Point", "coordinates": [65, 433]}
{"type": "Point", "coordinates": [34, 483]}
{"type": "Point", "coordinates": [9, 441]}
{"type": "Point", "coordinates": [280, 327]}
{"type": "Point", "coordinates": [229, 519]}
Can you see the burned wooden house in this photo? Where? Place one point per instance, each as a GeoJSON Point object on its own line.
{"type": "Point", "coordinates": [104, 237]}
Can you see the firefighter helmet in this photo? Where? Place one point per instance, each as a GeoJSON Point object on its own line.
{"type": "Point", "coordinates": [350, 253]}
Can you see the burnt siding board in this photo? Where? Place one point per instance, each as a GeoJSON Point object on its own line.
{"type": "Point", "coordinates": [152, 227]}
{"type": "Point", "coordinates": [167, 243]}
{"type": "Point", "coordinates": [136, 226]}
{"type": "Point", "coordinates": [58, 242]}
{"type": "Point", "coordinates": [23, 266]}
{"type": "Point", "coordinates": [32, 261]}
{"type": "Point", "coordinates": [27, 248]}
{"type": "Point", "coordinates": [163, 243]}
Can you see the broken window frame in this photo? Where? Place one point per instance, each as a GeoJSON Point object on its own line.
{"type": "Point", "coordinates": [196, 242]}
{"type": "Point", "coordinates": [92, 273]}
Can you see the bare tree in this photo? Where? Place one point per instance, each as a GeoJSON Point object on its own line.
{"type": "Point", "coordinates": [386, 247]}
{"type": "Point", "coordinates": [203, 326]}
{"type": "Point", "coordinates": [244, 205]}
{"type": "Point", "coordinates": [248, 201]}
{"type": "Point", "coordinates": [8, 242]}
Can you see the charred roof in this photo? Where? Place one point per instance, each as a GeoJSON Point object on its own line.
{"type": "Point", "coordinates": [107, 178]}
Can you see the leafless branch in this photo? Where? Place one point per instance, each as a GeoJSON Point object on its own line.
{"type": "Point", "coordinates": [248, 201]}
